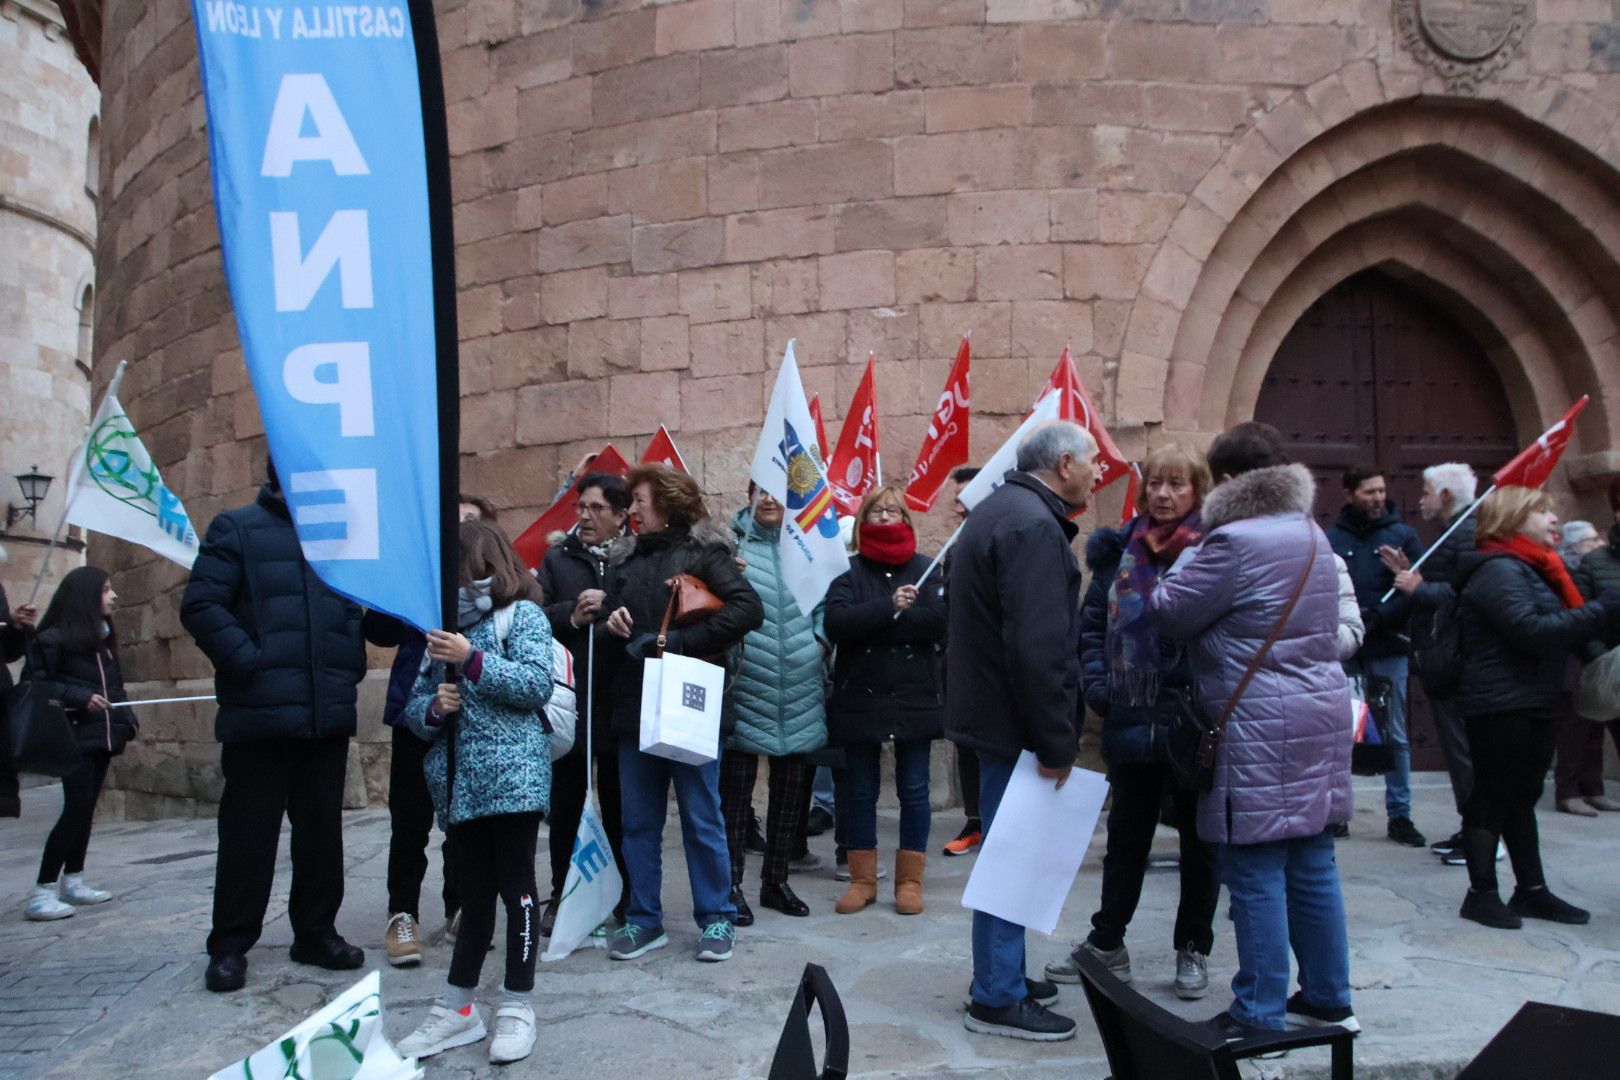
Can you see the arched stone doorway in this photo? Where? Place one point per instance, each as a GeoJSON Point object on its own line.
{"type": "Point", "coordinates": [1375, 372]}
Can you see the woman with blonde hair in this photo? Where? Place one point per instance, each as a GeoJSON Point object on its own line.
{"type": "Point", "coordinates": [1520, 616]}
{"type": "Point", "coordinates": [887, 685]}
{"type": "Point", "coordinates": [1134, 679]}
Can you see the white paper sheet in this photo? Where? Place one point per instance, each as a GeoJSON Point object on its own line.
{"type": "Point", "coordinates": [1033, 851]}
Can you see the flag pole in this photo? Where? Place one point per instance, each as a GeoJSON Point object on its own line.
{"type": "Point", "coordinates": [1435, 546]}
{"type": "Point", "coordinates": [930, 569]}
{"type": "Point", "coordinates": [67, 495]}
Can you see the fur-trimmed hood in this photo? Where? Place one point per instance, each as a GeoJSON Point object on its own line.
{"type": "Point", "coordinates": [1105, 547]}
{"type": "Point", "coordinates": [708, 531]}
{"type": "Point", "coordinates": [1280, 489]}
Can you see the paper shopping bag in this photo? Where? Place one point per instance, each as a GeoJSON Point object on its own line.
{"type": "Point", "coordinates": [344, 1041]}
{"type": "Point", "coordinates": [680, 709]}
{"type": "Point", "coordinates": [590, 892]}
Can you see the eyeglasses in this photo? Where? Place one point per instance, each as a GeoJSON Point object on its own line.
{"type": "Point", "coordinates": [886, 512]}
{"type": "Point", "coordinates": [594, 508]}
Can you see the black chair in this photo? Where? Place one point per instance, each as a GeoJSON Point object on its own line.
{"type": "Point", "coordinates": [1146, 1042]}
{"type": "Point", "coordinates": [1552, 1041]}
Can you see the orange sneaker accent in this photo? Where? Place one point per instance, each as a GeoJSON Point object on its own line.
{"type": "Point", "coordinates": [964, 845]}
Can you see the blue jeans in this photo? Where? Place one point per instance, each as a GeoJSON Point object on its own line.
{"type": "Point", "coordinates": [861, 783]}
{"type": "Point", "coordinates": [1398, 781]}
{"type": "Point", "coordinates": [644, 795]}
{"type": "Point", "coordinates": [998, 945]}
{"type": "Point", "coordinates": [821, 789]}
{"type": "Point", "coordinates": [1286, 893]}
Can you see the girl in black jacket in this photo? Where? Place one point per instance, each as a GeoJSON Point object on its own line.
{"type": "Point", "coordinates": [1520, 617]}
{"type": "Point", "coordinates": [76, 655]}
{"type": "Point", "coordinates": [887, 684]}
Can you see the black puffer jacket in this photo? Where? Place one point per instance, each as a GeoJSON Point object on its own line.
{"type": "Point", "coordinates": [1014, 642]}
{"type": "Point", "coordinates": [638, 567]}
{"type": "Point", "coordinates": [287, 650]}
{"type": "Point", "coordinates": [73, 676]}
{"type": "Point", "coordinates": [1131, 734]}
{"type": "Point", "coordinates": [1517, 636]}
{"type": "Point", "coordinates": [887, 681]}
{"type": "Point", "coordinates": [568, 569]}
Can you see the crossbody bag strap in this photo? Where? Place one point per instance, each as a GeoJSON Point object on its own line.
{"type": "Point", "coordinates": [669, 613]}
{"type": "Point", "coordinates": [1276, 632]}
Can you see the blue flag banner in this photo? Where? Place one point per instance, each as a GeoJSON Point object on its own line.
{"type": "Point", "coordinates": [321, 190]}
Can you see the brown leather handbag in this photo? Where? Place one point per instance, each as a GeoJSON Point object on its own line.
{"type": "Point", "coordinates": [690, 600]}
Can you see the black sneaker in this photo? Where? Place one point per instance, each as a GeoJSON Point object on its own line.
{"type": "Point", "coordinates": [1339, 831]}
{"type": "Point", "coordinates": [1040, 991]}
{"type": "Point", "coordinates": [1232, 1030]}
{"type": "Point", "coordinates": [1487, 909]}
{"type": "Point", "coordinates": [821, 820]}
{"type": "Point", "coordinates": [1027, 1020]}
{"type": "Point", "coordinates": [1402, 831]}
{"type": "Point", "coordinates": [1450, 844]}
{"type": "Point", "coordinates": [1302, 1014]}
{"type": "Point", "coordinates": [1542, 904]}
{"type": "Point", "coordinates": [745, 914]}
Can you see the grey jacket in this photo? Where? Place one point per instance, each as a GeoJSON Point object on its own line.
{"type": "Point", "coordinates": [1283, 770]}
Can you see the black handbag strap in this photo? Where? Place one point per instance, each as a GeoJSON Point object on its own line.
{"type": "Point", "coordinates": [1271, 639]}
{"type": "Point", "coordinates": [817, 988]}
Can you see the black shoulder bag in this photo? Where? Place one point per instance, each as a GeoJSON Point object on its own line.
{"type": "Point", "coordinates": [1192, 742]}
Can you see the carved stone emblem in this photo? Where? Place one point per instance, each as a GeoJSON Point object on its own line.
{"type": "Point", "coordinates": [1464, 41]}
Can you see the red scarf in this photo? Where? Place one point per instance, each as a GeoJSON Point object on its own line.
{"type": "Point", "coordinates": [1165, 541]}
{"type": "Point", "coordinates": [1546, 562]}
{"type": "Point", "coordinates": [892, 545]}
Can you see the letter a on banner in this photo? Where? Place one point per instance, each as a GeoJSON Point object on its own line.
{"type": "Point", "coordinates": [331, 188]}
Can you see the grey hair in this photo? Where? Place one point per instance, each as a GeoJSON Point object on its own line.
{"type": "Point", "coordinates": [1573, 533]}
{"type": "Point", "coordinates": [1455, 477]}
{"type": "Point", "coordinates": [1045, 446]}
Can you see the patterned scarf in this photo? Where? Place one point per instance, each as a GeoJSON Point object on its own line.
{"type": "Point", "coordinates": [1545, 562]}
{"type": "Point", "coordinates": [1136, 663]}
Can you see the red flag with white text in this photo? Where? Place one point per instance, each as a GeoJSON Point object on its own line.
{"type": "Point", "coordinates": [661, 450]}
{"type": "Point", "coordinates": [1534, 464]}
{"type": "Point", "coordinates": [563, 515]}
{"type": "Point", "coordinates": [945, 446]}
{"type": "Point", "coordinates": [1076, 405]}
{"type": "Point", "coordinates": [821, 428]}
{"type": "Point", "coordinates": [853, 469]}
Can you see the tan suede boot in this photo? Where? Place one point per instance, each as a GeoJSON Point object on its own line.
{"type": "Point", "coordinates": [908, 879]}
{"type": "Point", "coordinates": [862, 889]}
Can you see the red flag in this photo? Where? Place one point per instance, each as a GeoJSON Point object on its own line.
{"type": "Point", "coordinates": [1076, 406]}
{"type": "Point", "coordinates": [821, 428]}
{"type": "Point", "coordinates": [1133, 488]}
{"type": "Point", "coordinates": [1536, 462]}
{"type": "Point", "coordinates": [945, 447]}
{"type": "Point", "coordinates": [531, 545]}
{"type": "Point", "coordinates": [853, 469]}
{"type": "Point", "coordinates": [661, 451]}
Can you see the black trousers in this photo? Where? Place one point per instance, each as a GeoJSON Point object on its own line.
{"type": "Point", "coordinates": [303, 780]}
{"type": "Point", "coordinates": [967, 777]}
{"type": "Point", "coordinates": [785, 814]}
{"type": "Point", "coordinates": [410, 819]}
{"type": "Point", "coordinates": [568, 806]}
{"type": "Point", "coordinates": [1138, 793]}
{"type": "Point", "coordinates": [70, 837]}
{"type": "Point", "coordinates": [1511, 754]}
{"type": "Point", "coordinates": [496, 858]}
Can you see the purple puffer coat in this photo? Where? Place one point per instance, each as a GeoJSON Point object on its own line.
{"type": "Point", "coordinates": [1283, 770]}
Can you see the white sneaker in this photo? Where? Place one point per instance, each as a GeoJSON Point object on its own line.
{"type": "Point", "coordinates": [75, 891]}
{"type": "Point", "coordinates": [444, 1029]}
{"type": "Point", "coordinates": [43, 906]}
{"type": "Point", "coordinates": [514, 1033]}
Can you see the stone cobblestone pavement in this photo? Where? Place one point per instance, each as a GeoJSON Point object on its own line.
{"type": "Point", "coordinates": [116, 991]}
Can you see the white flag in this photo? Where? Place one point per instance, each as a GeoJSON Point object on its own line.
{"type": "Point", "coordinates": [114, 488]}
{"type": "Point", "coordinates": [994, 472]}
{"type": "Point", "coordinates": [785, 466]}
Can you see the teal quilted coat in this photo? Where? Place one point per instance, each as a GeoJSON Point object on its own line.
{"type": "Point", "coordinates": [503, 756]}
{"type": "Point", "coordinates": [778, 702]}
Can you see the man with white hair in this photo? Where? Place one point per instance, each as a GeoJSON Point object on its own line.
{"type": "Point", "coordinates": [1448, 491]}
{"type": "Point", "coordinates": [1014, 659]}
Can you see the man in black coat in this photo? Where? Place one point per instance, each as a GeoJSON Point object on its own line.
{"type": "Point", "coordinates": [287, 656]}
{"type": "Point", "coordinates": [1368, 531]}
{"type": "Point", "coordinates": [14, 626]}
{"type": "Point", "coordinates": [573, 576]}
{"type": "Point", "coordinates": [1014, 656]}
